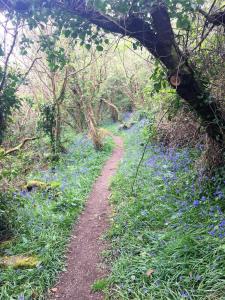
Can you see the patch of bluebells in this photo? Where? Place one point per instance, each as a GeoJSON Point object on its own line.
{"type": "Point", "coordinates": [135, 129]}
{"type": "Point", "coordinates": [81, 142]}
{"type": "Point", "coordinates": [201, 192]}
{"type": "Point", "coordinates": [127, 115]}
{"type": "Point", "coordinates": [143, 123]}
{"type": "Point", "coordinates": [75, 165]}
{"type": "Point", "coordinates": [219, 194]}
{"type": "Point", "coordinates": [169, 165]}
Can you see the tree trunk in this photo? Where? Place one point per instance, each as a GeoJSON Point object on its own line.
{"type": "Point", "coordinates": [58, 129]}
{"type": "Point", "coordinates": [115, 114]}
{"type": "Point", "coordinates": [93, 130]}
{"type": "Point", "coordinates": [2, 126]}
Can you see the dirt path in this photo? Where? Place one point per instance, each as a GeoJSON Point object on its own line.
{"type": "Point", "coordinates": [84, 253]}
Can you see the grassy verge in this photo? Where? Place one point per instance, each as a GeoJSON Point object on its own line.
{"type": "Point", "coordinates": [168, 236]}
{"type": "Point", "coordinates": [44, 218]}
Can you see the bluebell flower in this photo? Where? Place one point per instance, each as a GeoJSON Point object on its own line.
{"type": "Point", "coordinates": [218, 194]}
{"type": "Point", "coordinates": [144, 213]}
{"type": "Point", "coordinates": [221, 235]}
{"type": "Point", "coordinates": [222, 224]}
{"type": "Point", "coordinates": [212, 232]}
{"type": "Point", "coordinates": [196, 203]}
{"type": "Point", "coordinates": [23, 193]}
{"type": "Point", "coordinates": [184, 294]}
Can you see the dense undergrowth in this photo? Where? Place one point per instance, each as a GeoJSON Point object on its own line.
{"type": "Point", "coordinates": [42, 219]}
{"type": "Point", "coordinates": [168, 237]}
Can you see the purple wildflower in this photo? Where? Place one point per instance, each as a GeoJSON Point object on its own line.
{"type": "Point", "coordinates": [196, 203]}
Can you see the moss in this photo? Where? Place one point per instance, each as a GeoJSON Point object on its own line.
{"type": "Point", "coordinates": [19, 262]}
{"type": "Point", "coordinates": [2, 152]}
{"type": "Point", "coordinates": [55, 185]}
{"type": "Point", "coordinates": [35, 184]}
{"type": "Point", "coordinates": [41, 185]}
{"type": "Point", "coordinates": [104, 132]}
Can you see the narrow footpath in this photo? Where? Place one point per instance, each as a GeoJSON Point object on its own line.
{"type": "Point", "coordinates": [84, 263]}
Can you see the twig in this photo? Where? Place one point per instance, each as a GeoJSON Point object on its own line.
{"type": "Point", "coordinates": [209, 12]}
{"type": "Point", "coordinates": [28, 71]}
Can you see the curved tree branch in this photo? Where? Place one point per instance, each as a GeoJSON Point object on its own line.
{"type": "Point", "coordinates": [17, 148]}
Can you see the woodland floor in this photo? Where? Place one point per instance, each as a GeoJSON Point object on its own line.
{"type": "Point", "coordinates": [84, 263]}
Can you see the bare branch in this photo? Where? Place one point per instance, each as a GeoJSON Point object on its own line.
{"type": "Point", "coordinates": [28, 71]}
{"type": "Point", "coordinates": [8, 57]}
{"type": "Point", "coordinates": [217, 19]}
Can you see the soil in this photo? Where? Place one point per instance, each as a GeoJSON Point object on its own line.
{"type": "Point", "coordinates": [84, 261]}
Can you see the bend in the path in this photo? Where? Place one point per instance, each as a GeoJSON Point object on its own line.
{"type": "Point", "coordinates": [84, 263]}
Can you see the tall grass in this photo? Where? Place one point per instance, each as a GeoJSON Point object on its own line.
{"type": "Point", "coordinates": [168, 237]}
{"type": "Point", "coordinates": [44, 219]}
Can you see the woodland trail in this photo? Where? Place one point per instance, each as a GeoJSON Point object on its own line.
{"type": "Point", "coordinates": [84, 264]}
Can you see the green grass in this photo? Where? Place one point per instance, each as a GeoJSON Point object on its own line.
{"type": "Point", "coordinates": [113, 127]}
{"type": "Point", "coordinates": [44, 220]}
{"type": "Point", "coordinates": [170, 224]}
{"type": "Point", "coordinates": [99, 285]}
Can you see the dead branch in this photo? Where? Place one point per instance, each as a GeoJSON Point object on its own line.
{"type": "Point", "coordinates": [17, 148]}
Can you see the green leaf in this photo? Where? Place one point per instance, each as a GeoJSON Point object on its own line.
{"type": "Point", "coordinates": [183, 22]}
{"type": "Point", "coordinates": [134, 46]}
{"type": "Point", "coordinates": [88, 46]}
{"type": "Point", "coordinates": [99, 48]}
{"type": "Point", "coordinates": [67, 33]}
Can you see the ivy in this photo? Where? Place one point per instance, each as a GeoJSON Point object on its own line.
{"type": "Point", "coordinates": [8, 99]}
{"type": "Point", "coordinates": [47, 121]}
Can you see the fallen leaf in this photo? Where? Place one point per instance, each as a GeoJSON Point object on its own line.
{"type": "Point", "coordinates": [54, 290]}
{"type": "Point", "coordinates": [150, 272]}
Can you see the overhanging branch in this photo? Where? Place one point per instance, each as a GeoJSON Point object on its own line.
{"type": "Point", "coordinates": [217, 19]}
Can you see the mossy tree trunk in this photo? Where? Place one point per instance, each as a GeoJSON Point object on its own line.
{"type": "Point", "coordinates": [58, 128]}
{"type": "Point", "coordinates": [93, 129]}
